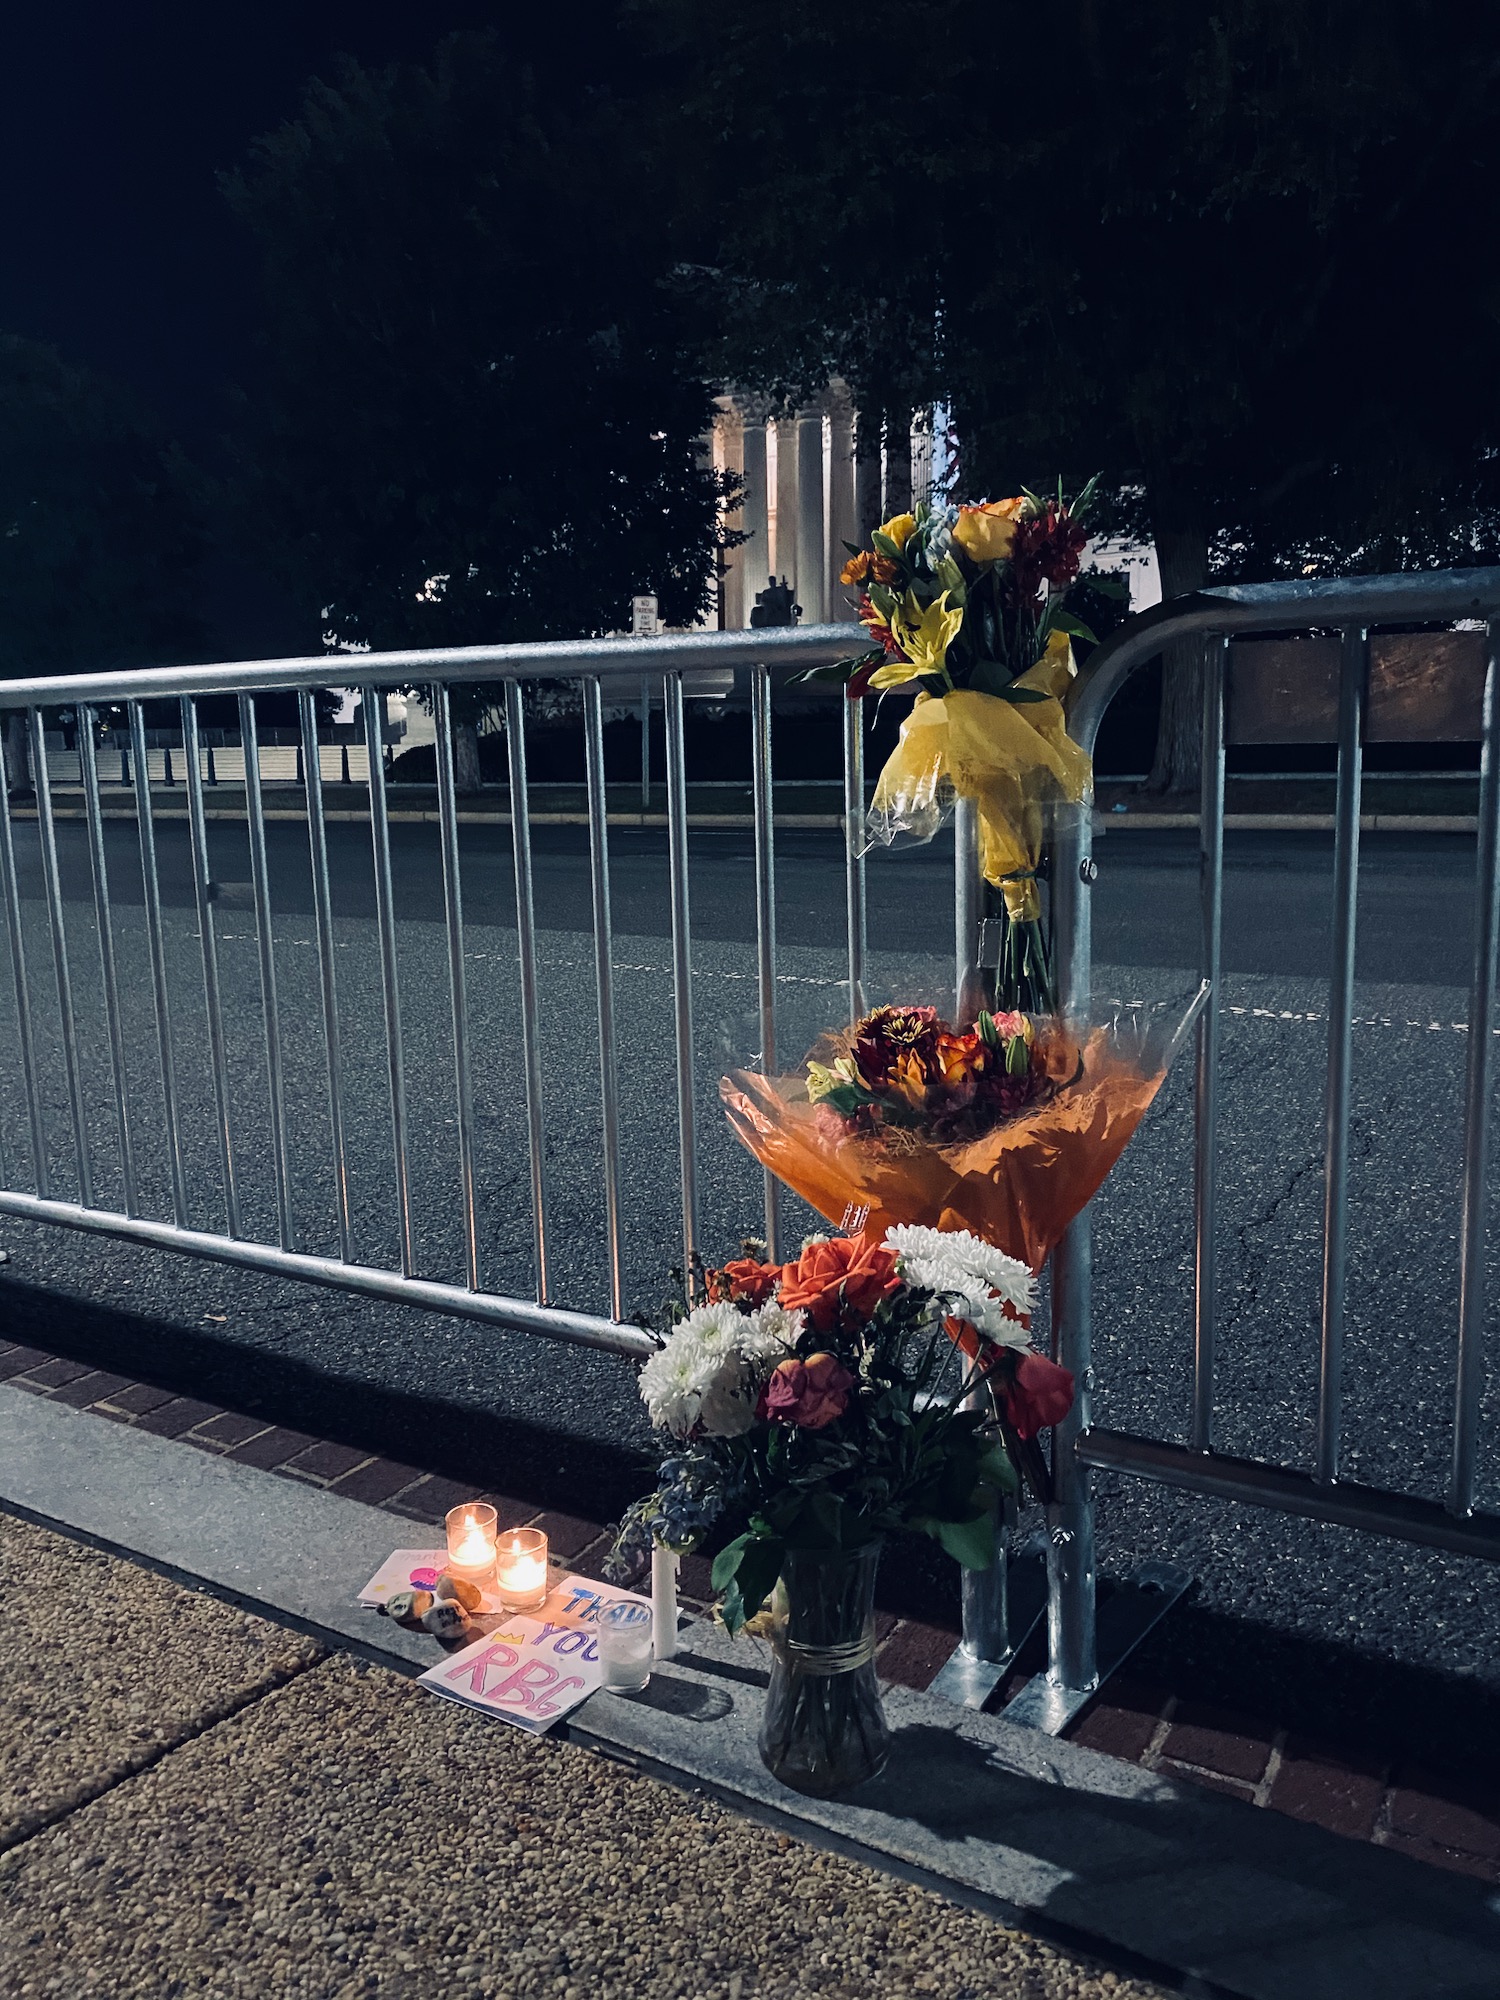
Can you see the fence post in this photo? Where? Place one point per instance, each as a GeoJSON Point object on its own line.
{"type": "Point", "coordinates": [1071, 1646]}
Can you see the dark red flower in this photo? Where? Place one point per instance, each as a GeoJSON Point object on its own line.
{"type": "Point", "coordinates": [1038, 1395]}
{"type": "Point", "coordinates": [810, 1394]}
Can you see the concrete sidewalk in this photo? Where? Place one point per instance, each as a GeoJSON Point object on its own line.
{"type": "Point", "coordinates": [198, 1800]}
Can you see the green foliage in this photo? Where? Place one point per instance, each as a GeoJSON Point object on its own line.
{"type": "Point", "coordinates": [1227, 254]}
{"type": "Point", "coordinates": [480, 412]}
{"type": "Point", "coordinates": [99, 524]}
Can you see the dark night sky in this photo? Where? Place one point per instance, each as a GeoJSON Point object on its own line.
{"type": "Point", "coordinates": [114, 121]}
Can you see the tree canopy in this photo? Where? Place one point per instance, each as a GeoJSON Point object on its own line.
{"type": "Point", "coordinates": [480, 409]}
{"type": "Point", "coordinates": [99, 524]}
{"type": "Point", "coordinates": [1224, 256]}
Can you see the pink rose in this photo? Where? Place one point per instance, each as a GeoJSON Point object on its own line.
{"type": "Point", "coordinates": [809, 1393]}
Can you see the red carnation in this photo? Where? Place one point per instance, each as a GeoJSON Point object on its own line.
{"type": "Point", "coordinates": [1038, 1395]}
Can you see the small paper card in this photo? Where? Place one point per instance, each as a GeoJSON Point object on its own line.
{"type": "Point", "coordinates": [528, 1671]}
{"type": "Point", "coordinates": [406, 1569]}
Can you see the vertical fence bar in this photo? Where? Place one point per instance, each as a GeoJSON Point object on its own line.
{"type": "Point", "coordinates": [317, 842]}
{"type": "Point", "coordinates": [260, 886]}
{"type": "Point", "coordinates": [604, 977]}
{"type": "Point", "coordinates": [765, 910]}
{"type": "Point", "coordinates": [682, 969]}
{"type": "Point", "coordinates": [52, 883]}
{"type": "Point", "coordinates": [372, 707]}
{"type": "Point", "coordinates": [1072, 1652]}
{"type": "Point", "coordinates": [458, 992]}
{"type": "Point", "coordinates": [854, 859]}
{"type": "Point", "coordinates": [531, 1054]}
{"type": "Point", "coordinates": [1206, 1079]}
{"type": "Point", "coordinates": [968, 911]}
{"type": "Point", "coordinates": [18, 974]}
{"type": "Point", "coordinates": [1353, 677]}
{"type": "Point", "coordinates": [88, 771]}
{"type": "Point", "coordinates": [212, 1002]}
{"type": "Point", "coordinates": [1478, 1083]}
{"type": "Point", "coordinates": [151, 885]}
{"type": "Point", "coordinates": [645, 743]}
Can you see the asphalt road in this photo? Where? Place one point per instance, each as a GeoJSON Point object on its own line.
{"type": "Point", "coordinates": [1290, 1596]}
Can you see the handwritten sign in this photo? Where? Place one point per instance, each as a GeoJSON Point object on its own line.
{"type": "Point", "coordinates": [530, 1671]}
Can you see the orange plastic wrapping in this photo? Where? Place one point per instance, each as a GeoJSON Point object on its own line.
{"type": "Point", "coordinates": [1018, 1187]}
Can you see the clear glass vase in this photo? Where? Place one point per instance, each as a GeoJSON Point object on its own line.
{"type": "Point", "coordinates": [824, 1730]}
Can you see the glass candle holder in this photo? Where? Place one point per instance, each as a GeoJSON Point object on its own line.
{"type": "Point", "coordinates": [471, 1542]}
{"type": "Point", "coordinates": [521, 1569]}
{"type": "Point", "coordinates": [624, 1634]}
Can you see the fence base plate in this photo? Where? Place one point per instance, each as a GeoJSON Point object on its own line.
{"type": "Point", "coordinates": [1125, 1617]}
{"type": "Point", "coordinates": [967, 1680]}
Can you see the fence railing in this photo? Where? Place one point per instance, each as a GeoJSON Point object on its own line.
{"type": "Point", "coordinates": [63, 1179]}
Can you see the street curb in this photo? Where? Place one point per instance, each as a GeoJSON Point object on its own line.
{"type": "Point", "coordinates": [1212, 1893]}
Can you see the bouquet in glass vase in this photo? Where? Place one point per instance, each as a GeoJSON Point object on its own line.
{"type": "Point", "coordinates": [814, 1410]}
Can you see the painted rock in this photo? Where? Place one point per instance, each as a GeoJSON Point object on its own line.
{"type": "Point", "coordinates": [408, 1607]}
{"type": "Point", "coordinates": [446, 1619]}
{"type": "Point", "coordinates": [458, 1590]}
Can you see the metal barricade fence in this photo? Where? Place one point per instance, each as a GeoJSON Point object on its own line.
{"type": "Point", "coordinates": [683, 665]}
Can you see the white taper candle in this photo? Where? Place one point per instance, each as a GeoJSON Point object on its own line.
{"type": "Point", "coordinates": [664, 1600]}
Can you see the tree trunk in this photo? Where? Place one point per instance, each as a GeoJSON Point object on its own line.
{"type": "Point", "coordinates": [1182, 553]}
{"type": "Point", "coordinates": [466, 776]}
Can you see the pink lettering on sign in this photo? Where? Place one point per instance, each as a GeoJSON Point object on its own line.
{"type": "Point", "coordinates": [474, 1670]}
{"type": "Point", "coordinates": [531, 1681]}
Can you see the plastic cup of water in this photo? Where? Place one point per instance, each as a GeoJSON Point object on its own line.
{"type": "Point", "coordinates": [625, 1646]}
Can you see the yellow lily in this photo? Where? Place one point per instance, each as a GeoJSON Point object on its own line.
{"type": "Point", "coordinates": [924, 634]}
{"type": "Point", "coordinates": [823, 1080]}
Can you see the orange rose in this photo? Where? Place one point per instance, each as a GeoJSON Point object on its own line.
{"type": "Point", "coordinates": [842, 1273]}
{"type": "Point", "coordinates": [752, 1281]}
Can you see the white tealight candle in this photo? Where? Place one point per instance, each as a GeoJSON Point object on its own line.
{"type": "Point", "coordinates": [471, 1542]}
{"type": "Point", "coordinates": [521, 1570]}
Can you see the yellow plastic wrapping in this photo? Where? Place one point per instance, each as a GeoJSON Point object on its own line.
{"type": "Point", "coordinates": [1015, 758]}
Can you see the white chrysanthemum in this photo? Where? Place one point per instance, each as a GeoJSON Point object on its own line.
{"type": "Point", "coordinates": [966, 1268]}
{"type": "Point", "coordinates": [770, 1332]}
{"type": "Point", "coordinates": [672, 1383]}
{"type": "Point", "coordinates": [727, 1406]}
{"type": "Point", "coordinates": [716, 1326]}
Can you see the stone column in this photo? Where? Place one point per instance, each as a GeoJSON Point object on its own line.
{"type": "Point", "coordinates": [812, 542]}
{"type": "Point", "coordinates": [754, 556]}
{"type": "Point", "coordinates": [843, 518]}
{"type": "Point", "coordinates": [729, 458]}
{"type": "Point", "coordinates": [788, 501]}
{"type": "Point", "coordinates": [921, 456]}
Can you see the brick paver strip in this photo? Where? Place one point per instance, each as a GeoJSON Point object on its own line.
{"type": "Point", "coordinates": [1123, 1722]}
{"type": "Point", "coordinates": [325, 1461]}
{"type": "Point", "coordinates": [381, 1480]}
{"type": "Point", "coordinates": [913, 1654]}
{"type": "Point", "coordinates": [52, 1374]}
{"type": "Point", "coordinates": [1336, 1789]}
{"type": "Point", "coordinates": [1210, 1781]}
{"type": "Point", "coordinates": [1235, 1746]}
{"type": "Point", "coordinates": [175, 1417]}
{"type": "Point", "coordinates": [95, 1387]}
{"type": "Point", "coordinates": [1478, 1865]}
{"type": "Point", "coordinates": [229, 1429]}
{"type": "Point", "coordinates": [16, 1360]}
{"type": "Point", "coordinates": [272, 1448]}
{"type": "Point", "coordinates": [1418, 1807]}
{"type": "Point", "coordinates": [431, 1500]}
{"type": "Point", "coordinates": [139, 1398]}
{"type": "Point", "coordinates": [568, 1535]}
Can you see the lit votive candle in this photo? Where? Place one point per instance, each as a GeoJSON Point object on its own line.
{"type": "Point", "coordinates": [625, 1646]}
{"type": "Point", "coordinates": [471, 1542]}
{"type": "Point", "coordinates": [521, 1569]}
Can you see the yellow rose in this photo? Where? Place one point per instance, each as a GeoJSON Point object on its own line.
{"type": "Point", "coordinates": [899, 529]}
{"type": "Point", "coordinates": [924, 634]}
{"type": "Point", "coordinates": [987, 534]}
